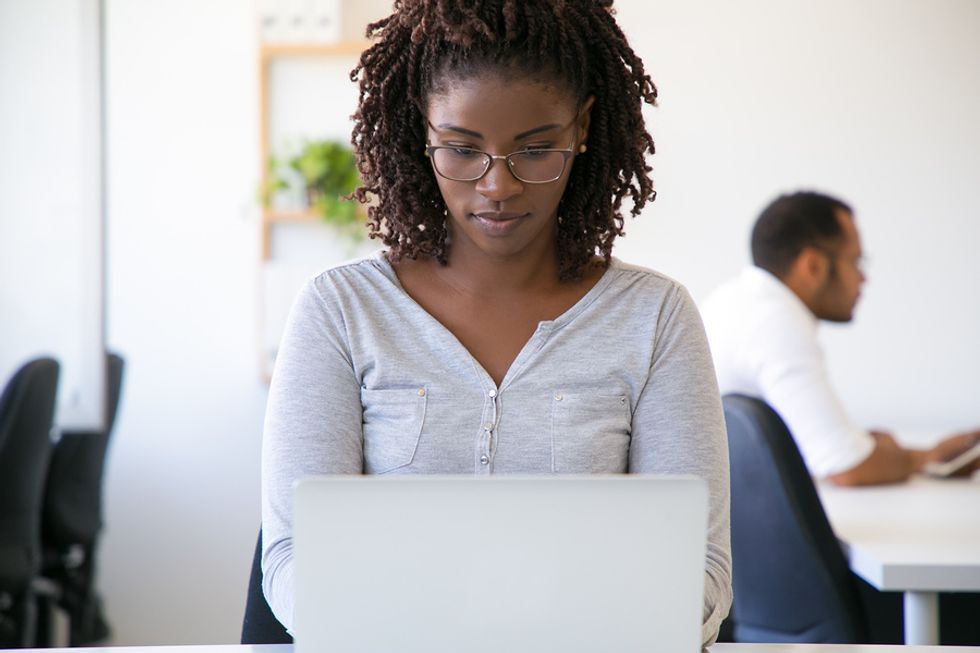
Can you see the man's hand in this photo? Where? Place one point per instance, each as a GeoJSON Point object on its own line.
{"type": "Point", "coordinates": [888, 463]}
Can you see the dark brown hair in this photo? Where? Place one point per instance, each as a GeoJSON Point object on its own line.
{"type": "Point", "coordinates": [792, 222]}
{"type": "Point", "coordinates": [573, 44]}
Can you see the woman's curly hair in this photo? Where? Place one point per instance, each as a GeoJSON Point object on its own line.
{"type": "Point", "coordinates": [575, 44]}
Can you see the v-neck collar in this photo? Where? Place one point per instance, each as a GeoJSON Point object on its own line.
{"type": "Point", "coordinates": [541, 333]}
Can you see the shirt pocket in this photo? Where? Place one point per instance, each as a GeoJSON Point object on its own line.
{"type": "Point", "coordinates": [590, 433]}
{"type": "Point", "coordinates": [392, 424]}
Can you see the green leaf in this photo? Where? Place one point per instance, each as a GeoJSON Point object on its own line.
{"type": "Point", "coordinates": [329, 172]}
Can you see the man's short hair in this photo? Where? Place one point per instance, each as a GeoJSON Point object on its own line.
{"type": "Point", "coordinates": [792, 222]}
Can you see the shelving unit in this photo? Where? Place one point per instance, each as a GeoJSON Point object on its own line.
{"type": "Point", "coordinates": [268, 53]}
{"type": "Point", "coordinates": [275, 276]}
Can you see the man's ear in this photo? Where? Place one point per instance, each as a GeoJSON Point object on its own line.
{"type": "Point", "coordinates": [808, 272]}
{"type": "Point", "coordinates": [816, 262]}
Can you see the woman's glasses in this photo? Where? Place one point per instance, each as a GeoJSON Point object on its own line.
{"type": "Point", "coordinates": [532, 166]}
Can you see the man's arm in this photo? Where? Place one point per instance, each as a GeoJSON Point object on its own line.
{"type": "Point", "coordinates": [891, 463]}
{"type": "Point", "coordinates": [783, 358]}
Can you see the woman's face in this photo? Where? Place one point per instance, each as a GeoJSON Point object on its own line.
{"type": "Point", "coordinates": [498, 214]}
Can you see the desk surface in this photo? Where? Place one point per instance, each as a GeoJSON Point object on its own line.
{"type": "Point", "coordinates": [923, 535]}
{"type": "Point", "coordinates": [717, 648]}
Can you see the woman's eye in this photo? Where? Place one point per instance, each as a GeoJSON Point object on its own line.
{"type": "Point", "coordinates": [463, 152]}
{"type": "Point", "coordinates": [534, 154]}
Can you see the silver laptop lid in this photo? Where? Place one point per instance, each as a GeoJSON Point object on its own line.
{"type": "Point", "coordinates": [441, 564]}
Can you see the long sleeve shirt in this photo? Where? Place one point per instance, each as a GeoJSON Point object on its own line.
{"type": "Point", "coordinates": [367, 382]}
{"type": "Point", "coordinates": [764, 342]}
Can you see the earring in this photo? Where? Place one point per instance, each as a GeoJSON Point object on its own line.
{"type": "Point", "coordinates": [582, 148]}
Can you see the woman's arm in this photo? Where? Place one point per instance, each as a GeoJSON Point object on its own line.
{"type": "Point", "coordinates": [679, 428]}
{"type": "Point", "coordinates": [312, 426]}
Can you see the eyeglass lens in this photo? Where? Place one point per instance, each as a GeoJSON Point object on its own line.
{"type": "Point", "coordinates": [464, 164]}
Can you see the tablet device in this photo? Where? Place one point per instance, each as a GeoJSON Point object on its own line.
{"type": "Point", "coordinates": [954, 465]}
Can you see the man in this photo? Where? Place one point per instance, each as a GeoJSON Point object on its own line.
{"type": "Point", "coordinates": [762, 327]}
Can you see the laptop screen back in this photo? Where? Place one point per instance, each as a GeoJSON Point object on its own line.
{"type": "Point", "coordinates": [437, 564]}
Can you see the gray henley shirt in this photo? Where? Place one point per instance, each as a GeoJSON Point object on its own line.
{"type": "Point", "coordinates": [367, 382]}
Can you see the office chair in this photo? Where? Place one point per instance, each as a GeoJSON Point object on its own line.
{"type": "Point", "coordinates": [790, 578]}
{"type": "Point", "coordinates": [26, 415]}
{"type": "Point", "coordinates": [72, 516]}
{"type": "Point", "coordinates": [260, 625]}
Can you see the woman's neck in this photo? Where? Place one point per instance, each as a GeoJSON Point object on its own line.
{"type": "Point", "coordinates": [478, 272]}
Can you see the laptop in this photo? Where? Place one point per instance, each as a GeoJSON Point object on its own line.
{"type": "Point", "coordinates": [462, 564]}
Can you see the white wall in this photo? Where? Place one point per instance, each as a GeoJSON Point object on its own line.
{"type": "Point", "coordinates": [183, 480]}
{"type": "Point", "coordinates": [50, 221]}
{"type": "Point", "coordinates": [874, 100]}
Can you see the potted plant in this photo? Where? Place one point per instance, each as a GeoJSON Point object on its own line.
{"type": "Point", "coordinates": [326, 173]}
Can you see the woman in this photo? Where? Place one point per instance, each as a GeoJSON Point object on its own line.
{"type": "Point", "coordinates": [496, 334]}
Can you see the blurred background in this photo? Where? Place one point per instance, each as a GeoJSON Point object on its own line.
{"type": "Point", "coordinates": [133, 220]}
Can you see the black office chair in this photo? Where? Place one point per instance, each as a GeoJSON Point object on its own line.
{"type": "Point", "coordinates": [72, 516]}
{"type": "Point", "coordinates": [790, 578]}
{"type": "Point", "coordinates": [260, 625]}
{"type": "Point", "coordinates": [26, 415]}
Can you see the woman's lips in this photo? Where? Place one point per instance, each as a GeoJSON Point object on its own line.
{"type": "Point", "coordinates": [498, 223]}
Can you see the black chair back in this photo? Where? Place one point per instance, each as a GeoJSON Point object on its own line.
{"type": "Point", "coordinates": [26, 415]}
{"type": "Point", "coordinates": [790, 578]}
{"type": "Point", "coordinates": [72, 516]}
{"type": "Point", "coordinates": [73, 493]}
{"type": "Point", "coordinates": [260, 625]}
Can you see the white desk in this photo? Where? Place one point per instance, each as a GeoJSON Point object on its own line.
{"type": "Point", "coordinates": [837, 648]}
{"type": "Point", "coordinates": [919, 538]}
{"type": "Point", "coordinates": [717, 648]}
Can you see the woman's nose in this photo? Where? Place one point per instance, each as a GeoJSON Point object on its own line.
{"type": "Point", "coordinates": [499, 183]}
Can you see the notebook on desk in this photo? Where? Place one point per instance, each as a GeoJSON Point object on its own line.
{"type": "Point", "coordinates": [440, 564]}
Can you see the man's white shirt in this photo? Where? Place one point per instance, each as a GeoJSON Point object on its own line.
{"type": "Point", "coordinates": [764, 343]}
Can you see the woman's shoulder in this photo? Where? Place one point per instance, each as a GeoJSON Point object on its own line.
{"type": "Point", "coordinates": [646, 298]}
{"type": "Point", "coordinates": [643, 280]}
{"type": "Point", "coordinates": [356, 274]}
{"type": "Point", "coordinates": [364, 266]}
{"type": "Point", "coordinates": [361, 282]}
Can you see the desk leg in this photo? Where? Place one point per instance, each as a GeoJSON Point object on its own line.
{"type": "Point", "coordinates": [922, 618]}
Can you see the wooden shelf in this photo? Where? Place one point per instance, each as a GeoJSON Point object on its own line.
{"type": "Point", "coordinates": [340, 48]}
{"type": "Point", "coordinates": [291, 215]}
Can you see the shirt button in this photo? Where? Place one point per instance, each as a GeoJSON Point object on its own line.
{"type": "Point", "coordinates": [488, 426]}
{"type": "Point", "coordinates": [557, 397]}
{"type": "Point", "coordinates": [421, 392]}
{"type": "Point", "coordinates": [492, 393]}
{"type": "Point", "coordinates": [484, 459]}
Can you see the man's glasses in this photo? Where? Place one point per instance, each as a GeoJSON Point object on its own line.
{"type": "Point", "coordinates": [859, 263]}
{"type": "Point", "coordinates": [532, 166]}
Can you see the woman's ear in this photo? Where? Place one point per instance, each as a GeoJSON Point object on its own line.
{"type": "Point", "coordinates": [585, 116]}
